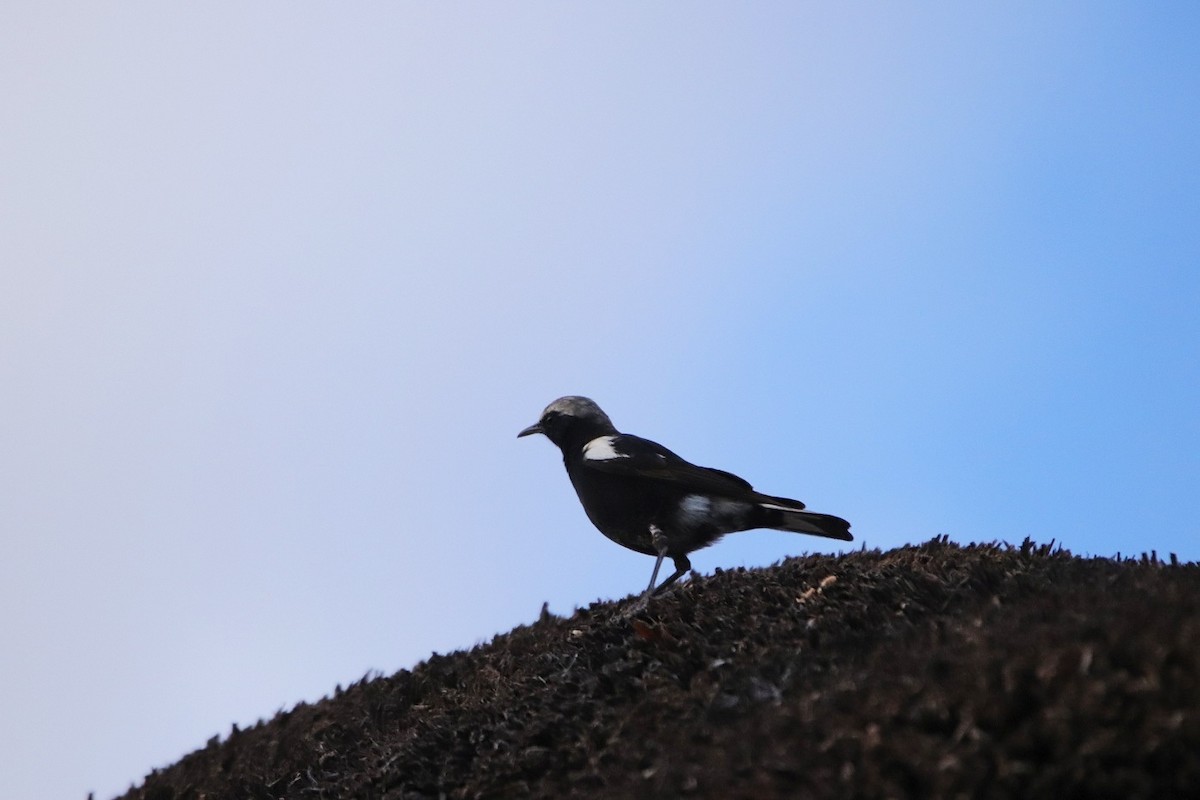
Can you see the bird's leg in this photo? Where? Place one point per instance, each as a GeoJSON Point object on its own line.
{"type": "Point", "coordinates": [682, 565]}
{"type": "Point", "coordinates": [653, 577]}
{"type": "Point", "coordinates": [659, 540]}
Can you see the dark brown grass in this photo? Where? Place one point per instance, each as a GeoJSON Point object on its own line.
{"type": "Point", "coordinates": [927, 671]}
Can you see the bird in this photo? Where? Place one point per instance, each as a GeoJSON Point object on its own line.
{"type": "Point", "coordinates": [643, 496]}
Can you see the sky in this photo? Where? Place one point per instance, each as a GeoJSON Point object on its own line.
{"type": "Point", "coordinates": [280, 282]}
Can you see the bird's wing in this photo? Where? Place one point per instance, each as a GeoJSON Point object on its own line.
{"type": "Point", "coordinates": [623, 454]}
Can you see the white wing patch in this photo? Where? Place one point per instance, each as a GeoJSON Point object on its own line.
{"type": "Point", "coordinates": [776, 507]}
{"type": "Point", "coordinates": [696, 510]}
{"type": "Point", "coordinates": [601, 449]}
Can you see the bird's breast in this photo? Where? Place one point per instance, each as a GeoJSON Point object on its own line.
{"type": "Point", "coordinates": [622, 508]}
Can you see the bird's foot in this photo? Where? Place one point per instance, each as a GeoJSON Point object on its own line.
{"type": "Point", "coordinates": [633, 609]}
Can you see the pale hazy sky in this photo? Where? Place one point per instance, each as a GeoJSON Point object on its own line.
{"type": "Point", "coordinates": [280, 282]}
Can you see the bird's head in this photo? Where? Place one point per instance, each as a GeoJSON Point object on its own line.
{"type": "Point", "coordinates": [569, 418]}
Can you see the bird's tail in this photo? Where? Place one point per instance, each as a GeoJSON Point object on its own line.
{"type": "Point", "coordinates": [789, 515]}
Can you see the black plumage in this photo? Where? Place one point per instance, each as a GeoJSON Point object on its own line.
{"type": "Point", "coordinates": [643, 496]}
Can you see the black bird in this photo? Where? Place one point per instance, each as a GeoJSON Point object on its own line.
{"type": "Point", "coordinates": [643, 496]}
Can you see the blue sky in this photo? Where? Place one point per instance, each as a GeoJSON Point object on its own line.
{"type": "Point", "coordinates": [280, 283]}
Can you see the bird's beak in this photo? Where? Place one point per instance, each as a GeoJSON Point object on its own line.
{"type": "Point", "coordinates": [532, 429]}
